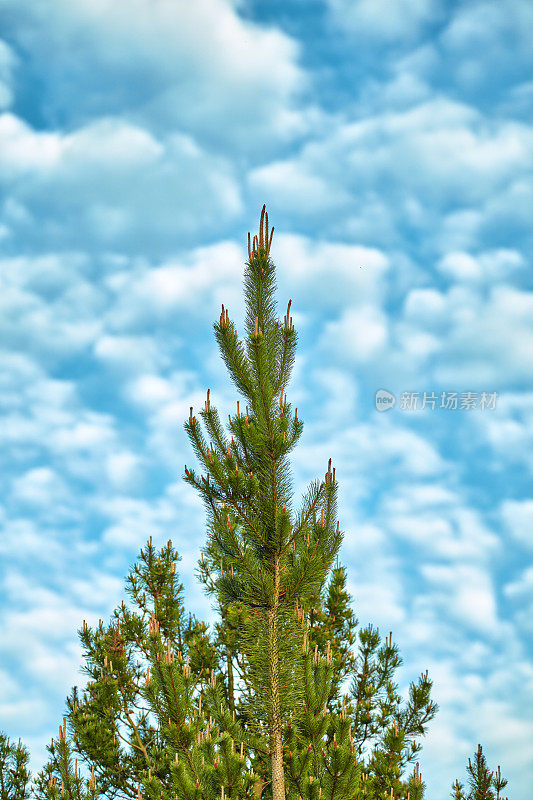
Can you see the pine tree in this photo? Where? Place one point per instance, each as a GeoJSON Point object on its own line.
{"type": "Point", "coordinates": [14, 773]}
{"type": "Point", "coordinates": [260, 709]}
{"type": "Point", "coordinates": [269, 563]}
{"type": "Point", "coordinates": [481, 781]}
{"type": "Point", "coordinates": [151, 699]}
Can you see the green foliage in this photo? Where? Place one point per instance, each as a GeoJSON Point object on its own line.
{"type": "Point", "coordinates": [267, 563]}
{"type": "Point", "coordinates": [481, 780]}
{"type": "Point", "coordinates": [14, 774]}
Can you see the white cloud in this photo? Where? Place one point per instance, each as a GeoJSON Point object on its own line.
{"type": "Point", "coordinates": [114, 181]}
{"type": "Point", "coordinates": [23, 151]}
{"type": "Point", "coordinates": [129, 354]}
{"type": "Point", "coordinates": [113, 144]}
{"type": "Point", "coordinates": [39, 487]}
{"type": "Point", "coordinates": [123, 469]}
{"type": "Point", "coordinates": [49, 275]}
{"type": "Point", "coordinates": [407, 452]}
{"type": "Point", "coordinates": [179, 285]}
{"type": "Point", "coordinates": [509, 431]}
{"type": "Point", "coordinates": [517, 516]}
{"type": "Point", "coordinates": [466, 592]}
{"type": "Point", "coordinates": [332, 270]}
{"type": "Point", "coordinates": [418, 497]}
{"type": "Point", "coordinates": [379, 599]}
{"type": "Point", "coordinates": [486, 267]}
{"type": "Point", "coordinates": [149, 61]}
{"type": "Point", "coordinates": [134, 520]}
{"type": "Point", "coordinates": [522, 587]}
{"type": "Point", "coordinates": [427, 306]}
{"type": "Point", "coordinates": [21, 538]}
{"type": "Point", "coordinates": [385, 20]}
{"type": "Point", "coordinates": [437, 157]}
{"type": "Point", "coordinates": [460, 266]}
{"type": "Point", "coordinates": [150, 390]}
{"type": "Point", "coordinates": [456, 534]}
{"type": "Point", "coordinates": [490, 329]}
{"type": "Point", "coordinates": [195, 284]}
{"type": "Point", "coordinates": [47, 307]}
{"type": "Point", "coordinates": [93, 431]}
{"type": "Point", "coordinates": [479, 26]}
{"type": "Point", "coordinates": [386, 453]}
{"type": "Point", "coordinates": [339, 392]}
{"type": "Point", "coordinates": [303, 188]}
{"type": "Point", "coordinates": [359, 335]}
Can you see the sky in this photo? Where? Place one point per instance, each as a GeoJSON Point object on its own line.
{"type": "Point", "coordinates": [391, 141]}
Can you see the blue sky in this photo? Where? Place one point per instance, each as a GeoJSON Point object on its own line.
{"type": "Point", "coordinates": [392, 143]}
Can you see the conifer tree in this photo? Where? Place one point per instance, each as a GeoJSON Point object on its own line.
{"type": "Point", "coordinates": [14, 773]}
{"type": "Point", "coordinates": [149, 671]}
{"type": "Point", "coordinates": [481, 780]}
{"type": "Point", "coordinates": [269, 563]}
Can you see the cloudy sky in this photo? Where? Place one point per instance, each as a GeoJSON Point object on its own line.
{"type": "Point", "coordinates": [391, 141]}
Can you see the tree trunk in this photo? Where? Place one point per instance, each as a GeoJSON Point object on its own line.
{"type": "Point", "coordinates": [231, 690]}
{"type": "Point", "coordinates": [276, 743]}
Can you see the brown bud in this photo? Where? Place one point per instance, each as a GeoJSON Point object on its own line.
{"type": "Point", "coordinates": [287, 314]}
{"type": "Point", "coordinates": [261, 239]}
{"type": "Point", "coordinates": [270, 240]}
